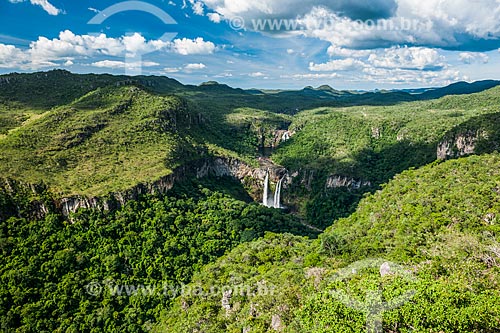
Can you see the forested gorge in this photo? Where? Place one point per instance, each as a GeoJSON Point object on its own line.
{"type": "Point", "coordinates": [440, 223]}
{"type": "Point", "coordinates": [383, 193]}
{"type": "Point", "coordinates": [159, 242]}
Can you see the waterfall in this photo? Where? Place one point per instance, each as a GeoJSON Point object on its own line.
{"type": "Point", "coordinates": [265, 199]}
{"type": "Point", "coordinates": [277, 194]}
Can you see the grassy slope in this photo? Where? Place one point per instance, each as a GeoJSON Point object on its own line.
{"type": "Point", "coordinates": [343, 136]}
{"type": "Point", "coordinates": [110, 139]}
{"type": "Point", "coordinates": [441, 222]}
{"type": "Point", "coordinates": [95, 149]}
{"type": "Point", "coordinates": [116, 137]}
{"type": "Point", "coordinates": [376, 143]}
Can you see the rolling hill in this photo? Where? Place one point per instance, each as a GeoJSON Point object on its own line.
{"type": "Point", "coordinates": [132, 204]}
{"type": "Point", "coordinates": [438, 225]}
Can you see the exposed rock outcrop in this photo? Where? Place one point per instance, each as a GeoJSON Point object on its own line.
{"type": "Point", "coordinates": [376, 133]}
{"type": "Point", "coordinates": [36, 208]}
{"type": "Point", "coordinates": [303, 177]}
{"type": "Point", "coordinates": [461, 144]}
{"type": "Point", "coordinates": [281, 136]}
{"type": "Point", "coordinates": [226, 300]}
{"type": "Point", "coordinates": [251, 177]}
{"type": "Point", "coordinates": [347, 182]}
{"type": "Point", "coordinates": [276, 323]}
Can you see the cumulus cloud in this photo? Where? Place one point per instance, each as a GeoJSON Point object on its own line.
{"type": "Point", "coordinates": [405, 77]}
{"type": "Point", "coordinates": [395, 66]}
{"type": "Point", "coordinates": [337, 65]}
{"type": "Point", "coordinates": [189, 46]}
{"type": "Point", "coordinates": [214, 17]}
{"type": "Point", "coordinates": [311, 76]}
{"type": "Point", "coordinates": [168, 70]}
{"type": "Point", "coordinates": [448, 24]}
{"type": "Point", "coordinates": [416, 58]}
{"type": "Point", "coordinates": [69, 45]}
{"type": "Point", "coordinates": [11, 57]}
{"type": "Point", "coordinates": [354, 9]}
{"type": "Point", "coordinates": [473, 57]}
{"type": "Point", "coordinates": [195, 66]}
{"type": "Point", "coordinates": [197, 6]}
{"type": "Point", "coordinates": [347, 53]}
{"type": "Point", "coordinates": [46, 52]}
{"type": "Point", "coordinates": [45, 4]}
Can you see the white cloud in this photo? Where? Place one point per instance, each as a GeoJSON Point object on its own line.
{"type": "Point", "coordinates": [45, 4]}
{"type": "Point", "coordinates": [337, 65]}
{"type": "Point", "coordinates": [11, 57]}
{"type": "Point", "coordinates": [46, 52]}
{"type": "Point", "coordinates": [214, 17]}
{"type": "Point", "coordinates": [420, 58]}
{"type": "Point", "coordinates": [292, 8]}
{"type": "Point", "coordinates": [257, 74]}
{"type": "Point", "coordinates": [137, 44]}
{"type": "Point", "coordinates": [406, 77]}
{"type": "Point", "coordinates": [69, 63]}
{"type": "Point", "coordinates": [449, 24]}
{"type": "Point", "coordinates": [290, 51]}
{"type": "Point", "coordinates": [346, 33]}
{"type": "Point", "coordinates": [348, 53]}
{"type": "Point", "coordinates": [197, 7]}
{"type": "Point", "coordinates": [195, 66]}
{"type": "Point", "coordinates": [473, 57]}
{"type": "Point", "coordinates": [171, 70]}
{"type": "Point", "coordinates": [122, 64]}
{"type": "Point", "coordinates": [225, 75]}
{"type": "Point", "coordinates": [188, 46]}
{"type": "Point", "coordinates": [311, 76]}
{"type": "Point", "coordinates": [70, 45]}
{"type": "Point", "coordinates": [394, 66]}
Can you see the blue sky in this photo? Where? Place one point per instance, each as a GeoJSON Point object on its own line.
{"type": "Point", "coordinates": [347, 44]}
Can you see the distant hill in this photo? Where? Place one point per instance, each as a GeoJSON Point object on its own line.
{"type": "Point", "coordinates": [58, 87]}
{"type": "Point", "coordinates": [125, 181]}
{"type": "Point", "coordinates": [459, 88]}
{"type": "Point", "coordinates": [75, 131]}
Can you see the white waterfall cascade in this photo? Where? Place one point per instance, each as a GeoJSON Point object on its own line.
{"type": "Point", "coordinates": [277, 194]}
{"type": "Point", "coordinates": [266, 200]}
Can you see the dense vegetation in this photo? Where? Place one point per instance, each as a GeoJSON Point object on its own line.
{"type": "Point", "coordinates": [363, 166]}
{"type": "Point", "coordinates": [46, 264]}
{"type": "Point", "coordinates": [373, 144]}
{"type": "Point", "coordinates": [440, 223]}
{"type": "Point", "coordinates": [80, 147]}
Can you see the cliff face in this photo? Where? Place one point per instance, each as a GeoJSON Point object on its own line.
{"type": "Point", "coordinates": [461, 144]}
{"type": "Point", "coordinates": [347, 182]}
{"type": "Point", "coordinates": [251, 177]}
{"type": "Point", "coordinates": [218, 167]}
